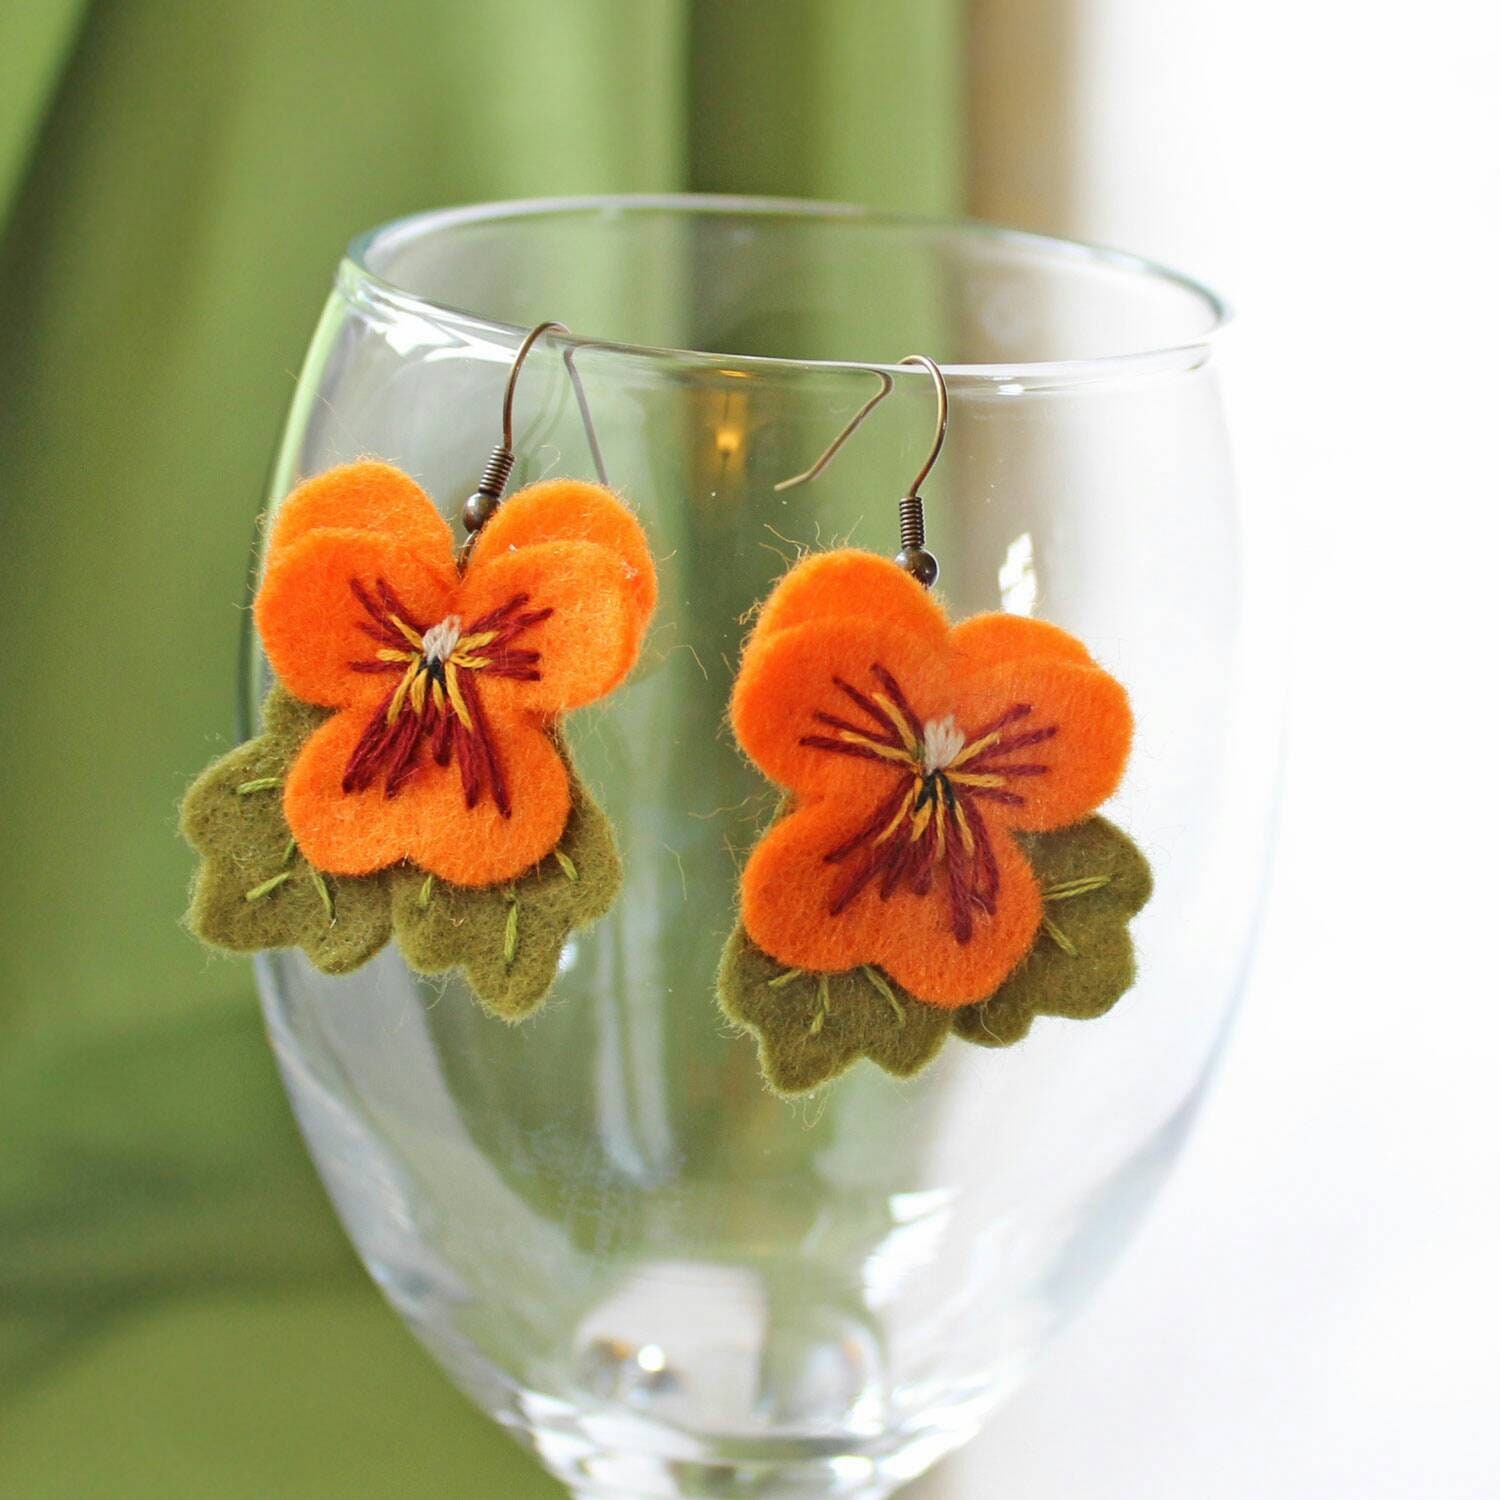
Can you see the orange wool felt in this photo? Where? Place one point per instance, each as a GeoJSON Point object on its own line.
{"type": "Point", "coordinates": [911, 749]}
{"type": "Point", "coordinates": [446, 685]}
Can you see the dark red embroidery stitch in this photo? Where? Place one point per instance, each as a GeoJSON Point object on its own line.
{"type": "Point", "coordinates": [436, 701]}
{"type": "Point", "coordinates": [929, 829]}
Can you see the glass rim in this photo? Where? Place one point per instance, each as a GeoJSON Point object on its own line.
{"type": "Point", "coordinates": [368, 285]}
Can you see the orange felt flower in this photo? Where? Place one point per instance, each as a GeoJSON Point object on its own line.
{"type": "Point", "coordinates": [911, 749]}
{"type": "Point", "coordinates": [445, 684]}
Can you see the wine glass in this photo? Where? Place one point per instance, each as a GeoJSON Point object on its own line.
{"type": "Point", "coordinates": [660, 1275]}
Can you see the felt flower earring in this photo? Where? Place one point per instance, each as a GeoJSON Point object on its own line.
{"type": "Point", "coordinates": [412, 776]}
{"type": "Point", "coordinates": [937, 864]}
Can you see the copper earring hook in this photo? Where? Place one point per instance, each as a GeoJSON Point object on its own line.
{"type": "Point", "coordinates": [482, 504]}
{"type": "Point", "coordinates": [914, 556]}
{"type": "Point", "coordinates": [941, 431]}
{"type": "Point", "coordinates": [507, 407]}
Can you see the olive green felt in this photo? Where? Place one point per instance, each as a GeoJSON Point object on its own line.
{"type": "Point", "coordinates": [811, 1027]}
{"type": "Point", "coordinates": [508, 938]}
{"type": "Point", "coordinates": [253, 890]}
{"type": "Point", "coordinates": [1094, 924]}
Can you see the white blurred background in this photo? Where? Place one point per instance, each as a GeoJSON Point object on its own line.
{"type": "Point", "coordinates": [1312, 1309]}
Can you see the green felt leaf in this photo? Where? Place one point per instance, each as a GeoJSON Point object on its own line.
{"type": "Point", "coordinates": [253, 889]}
{"type": "Point", "coordinates": [811, 1027]}
{"type": "Point", "coordinates": [1083, 960]}
{"type": "Point", "coordinates": [508, 938]}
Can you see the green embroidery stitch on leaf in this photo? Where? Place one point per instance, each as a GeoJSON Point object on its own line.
{"type": "Point", "coordinates": [509, 938]}
{"type": "Point", "coordinates": [811, 1027]}
{"type": "Point", "coordinates": [267, 886]}
{"type": "Point", "coordinates": [252, 890]}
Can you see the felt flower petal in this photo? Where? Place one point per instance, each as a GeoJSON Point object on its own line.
{"type": "Point", "coordinates": [850, 583]}
{"type": "Point", "coordinates": [815, 708]}
{"type": "Point", "coordinates": [571, 510]}
{"type": "Point", "coordinates": [790, 886]}
{"type": "Point", "coordinates": [428, 820]}
{"type": "Point", "coordinates": [326, 601]}
{"type": "Point", "coordinates": [579, 635]}
{"type": "Point", "coordinates": [987, 641]}
{"type": "Point", "coordinates": [1060, 738]}
{"type": "Point", "coordinates": [363, 496]}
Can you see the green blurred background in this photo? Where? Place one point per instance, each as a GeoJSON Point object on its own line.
{"type": "Point", "coordinates": [179, 1312]}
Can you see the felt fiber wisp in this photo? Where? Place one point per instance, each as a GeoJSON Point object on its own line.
{"type": "Point", "coordinates": [413, 762]}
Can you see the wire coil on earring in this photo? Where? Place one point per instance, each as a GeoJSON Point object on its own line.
{"type": "Point", "coordinates": [914, 556]}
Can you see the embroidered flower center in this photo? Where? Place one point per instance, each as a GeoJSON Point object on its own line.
{"type": "Point", "coordinates": [434, 701]}
{"type": "Point", "coordinates": [927, 834]}
{"type": "Point", "coordinates": [439, 642]}
{"type": "Point", "coordinates": [942, 740]}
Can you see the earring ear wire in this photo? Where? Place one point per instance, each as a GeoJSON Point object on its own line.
{"type": "Point", "coordinates": [485, 500]}
{"type": "Point", "coordinates": [913, 556]}
{"type": "Point", "coordinates": [850, 428]}
{"type": "Point", "coordinates": [570, 351]}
